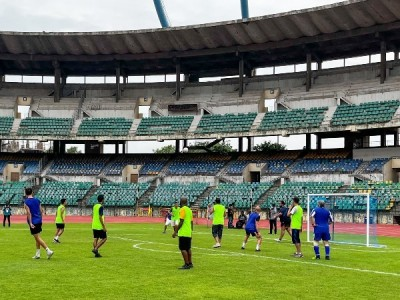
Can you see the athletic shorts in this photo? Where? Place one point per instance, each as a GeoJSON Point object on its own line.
{"type": "Point", "coordinates": [175, 222]}
{"type": "Point", "coordinates": [168, 222]}
{"type": "Point", "coordinates": [296, 236]}
{"type": "Point", "coordinates": [217, 230]}
{"type": "Point", "coordinates": [99, 234]}
{"type": "Point", "coordinates": [60, 225]}
{"type": "Point", "coordinates": [185, 243]}
{"type": "Point", "coordinates": [325, 236]}
{"type": "Point", "coordinates": [37, 229]}
{"type": "Point", "coordinates": [285, 223]}
{"type": "Point", "coordinates": [251, 232]}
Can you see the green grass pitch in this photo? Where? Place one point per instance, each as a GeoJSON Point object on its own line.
{"type": "Point", "coordinates": [139, 262]}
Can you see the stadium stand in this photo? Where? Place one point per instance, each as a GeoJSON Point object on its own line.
{"type": "Point", "coordinates": [78, 165]}
{"type": "Point", "coordinates": [276, 163]}
{"type": "Point", "coordinates": [300, 189]}
{"type": "Point", "coordinates": [104, 127]}
{"type": "Point", "coordinates": [205, 164]}
{"type": "Point", "coordinates": [120, 194]}
{"type": "Point", "coordinates": [164, 125]}
{"type": "Point", "coordinates": [238, 194]}
{"type": "Point", "coordinates": [376, 165]}
{"type": "Point", "coordinates": [326, 161]}
{"type": "Point", "coordinates": [225, 123]}
{"type": "Point", "coordinates": [51, 193]}
{"type": "Point", "coordinates": [151, 164]}
{"type": "Point", "coordinates": [12, 192]}
{"type": "Point", "coordinates": [365, 113]}
{"type": "Point", "coordinates": [387, 193]}
{"type": "Point", "coordinates": [45, 126]}
{"type": "Point", "coordinates": [293, 119]}
{"type": "Point", "coordinates": [6, 125]}
{"type": "Point", "coordinates": [169, 193]}
{"type": "Point", "coordinates": [31, 162]}
{"type": "Point", "coordinates": [337, 165]}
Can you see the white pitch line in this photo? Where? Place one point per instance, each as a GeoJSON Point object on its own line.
{"type": "Point", "coordinates": [230, 253]}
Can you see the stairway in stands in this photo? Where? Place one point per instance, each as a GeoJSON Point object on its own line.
{"type": "Point", "coordinates": [145, 199]}
{"type": "Point", "coordinates": [202, 197]}
{"type": "Point", "coordinates": [89, 194]}
{"type": "Point", "coordinates": [270, 192]}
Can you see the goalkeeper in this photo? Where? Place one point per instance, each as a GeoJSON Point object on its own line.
{"type": "Point", "coordinates": [321, 218]}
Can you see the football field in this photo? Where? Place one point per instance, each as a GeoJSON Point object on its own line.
{"type": "Point", "coordinates": [139, 262]}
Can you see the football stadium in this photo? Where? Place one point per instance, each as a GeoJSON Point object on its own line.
{"type": "Point", "coordinates": [248, 112]}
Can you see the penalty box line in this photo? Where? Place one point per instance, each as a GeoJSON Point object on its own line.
{"type": "Point", "coordinates": [230, 253]}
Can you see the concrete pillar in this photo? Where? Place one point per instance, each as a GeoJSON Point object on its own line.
{"type": "Point", "coordinates": [116, 147]}
{"type": "Point", "coordinates": [57, 81]}
{"type": "Point", "coordinates": [366, 142]}
{"type": "Point", "coordinates": [241, 76]}
{"type": "Point", "coordinates": [383, 140]}
{"type": "Point", "coordinates": [250, 143]}
{"type": "Point", "coordinates": [319, 65]}
{"type": "Point", "coordinates": [308, 141]}
{"type": "Point", "coordinates": [349, 142]}
{"type": "Point", "coordinates": [240, 144]}
{"type": "Point", "coordinates": [383, 61]}
{"type": "Point", "coordinates": [308, 73]}
{"type": "Point", "coordinates": [62, 147]}
{"type": "Point", "coordinates": [319, 142]}
{"type": "Point", "coordinates": [117, 83]}
{"type": "Point", "coordinates": [178, 80]}
{"type": "Point", "coordinates": [56, 147]}
{"type": "Point", "coordinates": [123, 147]}
{"type": "Point", "coordinates": [177, 146]}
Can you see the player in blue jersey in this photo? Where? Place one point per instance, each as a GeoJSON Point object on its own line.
{"type": "Point", "coordinates": [34, 214]}
{"type": "Point", "coordinates": [251, 228]}
{"type": "Point", "coordinates": [321, 218]}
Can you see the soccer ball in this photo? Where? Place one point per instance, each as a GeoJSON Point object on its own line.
{"type": "Point", "coordinates": [185, 150]}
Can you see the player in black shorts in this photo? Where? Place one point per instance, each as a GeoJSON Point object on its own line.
{"type": "Point", "coordinates": [285, 220]}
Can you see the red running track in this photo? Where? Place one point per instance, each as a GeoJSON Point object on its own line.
{"type": "Point", "coordinates": [382, 229]}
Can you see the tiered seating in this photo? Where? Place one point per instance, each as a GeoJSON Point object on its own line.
{"type": "Point", "coordinates": [164, 125]}
{"type": "Point", "coordinates": [120, 194]}
{"type": "Point", "coordinates": [167, 194]}
{"type": "Point", "coordinates": [6, 125]}
{"type": "Point", "coordinates": [376, 165]}
{"type": "Point", "coordinates": [152, 164]}
{"type": "Point", "coordinates": [289, 190]}
{"type": "Point", "coordinates": [52, 192]}
{"type": "Point", "coordinates": [327, 165]}
{"type": "Point", "coordinates": [45, 126]}
{"type": "Point", "coordinates": [31, 162]}
{"type": "Point", "coordinates": [239, 194]}
{"type": "Point", "coordinates": [387, 193]}
{"type": "Point", "coordinates": [78, 165]}
{"type": "Point", "coordinates": [275, 163]}
{"type": "Point", "coordinates": [295, 118]}
{"type": "Point", "coordinates": [225, 123]}
{"type": "Point", "coordinates": [104, 127]}
{"type": "Point", "coordinates": [12, 192]}
{"type": "Point", "coordinates": [197, 165]}
{"type": "Point", "coordinates": [327, 161]}
{"type": "Point", "coordinates": [365, 113]}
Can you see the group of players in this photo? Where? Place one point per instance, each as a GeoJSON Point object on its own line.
{"type": "Point", "coordinates": [34, 214]}
{"type": "Point", "coordinates": [181, 218]}
{"type": "Point", "coordinates": [291, 221]}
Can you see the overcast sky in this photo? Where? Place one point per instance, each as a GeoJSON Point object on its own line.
{"type": "Point", "coordinates": [101, 15]}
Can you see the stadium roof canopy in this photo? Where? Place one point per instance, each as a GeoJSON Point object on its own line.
{"type": "Point", "coordinates": [346, 29]}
